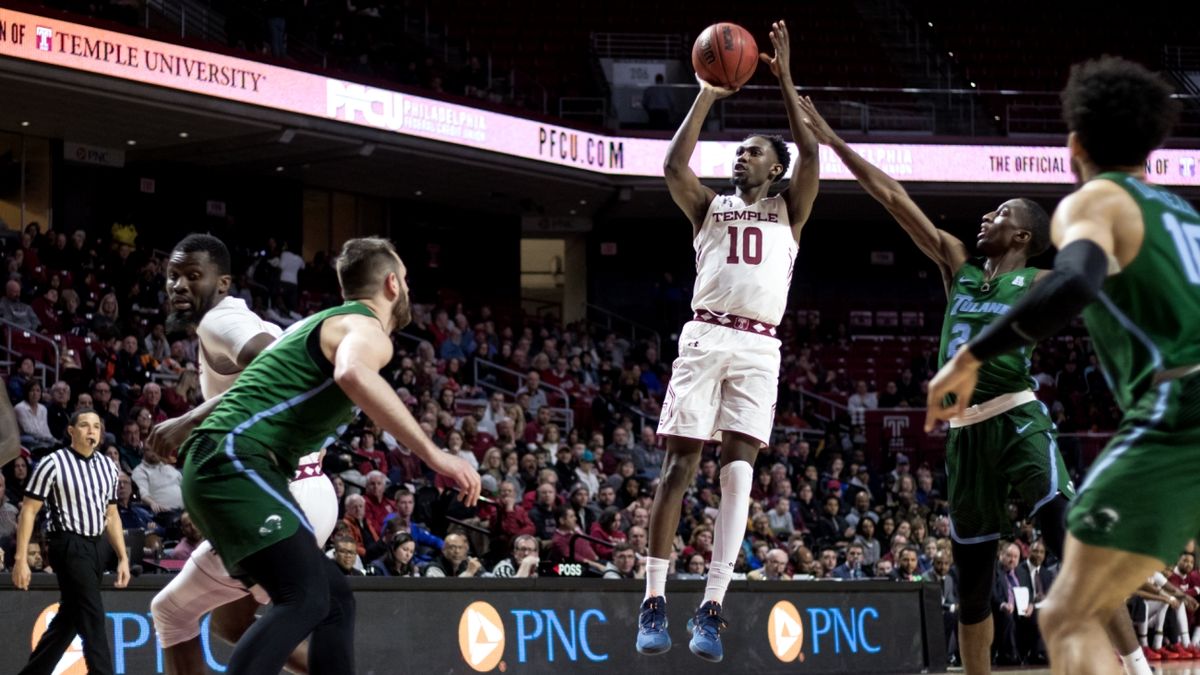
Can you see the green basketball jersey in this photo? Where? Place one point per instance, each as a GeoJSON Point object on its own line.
{"type": "Point", "coordinates": [1148, 316]}
{"type": "Point", "coordinates": [286, 401]}
{"type": "Point", "coordinates": [976, 302]}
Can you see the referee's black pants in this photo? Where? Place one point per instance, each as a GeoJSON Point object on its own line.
{"type": "Point", "coordinates": [79, 568]}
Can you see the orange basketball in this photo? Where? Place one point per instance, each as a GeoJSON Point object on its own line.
{"type": "Point", "coordinates": [725, 55]}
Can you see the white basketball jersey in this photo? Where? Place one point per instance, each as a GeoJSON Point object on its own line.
{"type": "Point", "coordinates": [224, 332]}
{"type": "Point", "coordinates": [744, 259]}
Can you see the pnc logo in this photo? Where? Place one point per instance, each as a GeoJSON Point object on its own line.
{"type": "Point", "coordinates": [785, 632]}
{"type": "Point", "coordinates": [481, 637]}
{"type": "Point", "coordinates": [72, 662]}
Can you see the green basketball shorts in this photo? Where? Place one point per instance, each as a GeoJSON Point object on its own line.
{"type": "Point", "coordinates": [1013, 451]}
{"type": "Point", "coordinates": [1142, 492]}
{"type": "Point", "coordinates": [237, 496]}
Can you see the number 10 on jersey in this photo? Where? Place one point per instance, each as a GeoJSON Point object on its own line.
{"type": "Point", "coordinates": [750, 239]}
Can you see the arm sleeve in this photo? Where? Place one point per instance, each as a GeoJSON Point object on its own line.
{"type": "Point", "coordinates": [1079, 272]}
{"type": "Point", "coordinates": [42, 480]}
{"type": "Point", "coordinates": [1159, 580]}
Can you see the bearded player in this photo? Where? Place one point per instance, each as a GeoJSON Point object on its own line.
{"type": "Point", "coordinates": [724, 382]}
{"type": "Point", "coordinates": [231, 336]}
{"type": "Point", "coordinates": [300, 391]}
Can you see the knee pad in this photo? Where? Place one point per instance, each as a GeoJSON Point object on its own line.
{"type": "Point", "coordinates": [976, 565]}
{"type": "Point", "coordinates": [172, 626]}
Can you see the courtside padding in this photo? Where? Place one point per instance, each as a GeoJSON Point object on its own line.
{"type": "Point", "coordinates": [555, 625]}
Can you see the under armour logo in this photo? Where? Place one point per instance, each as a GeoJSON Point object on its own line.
{"type": "Point", "coordinates": [1019, 281]}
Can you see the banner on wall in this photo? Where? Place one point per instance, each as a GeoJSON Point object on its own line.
{"type": "Point", "coordinates": [31, 37]}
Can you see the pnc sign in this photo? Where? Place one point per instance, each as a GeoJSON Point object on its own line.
{"type": "Point", "coordinates": [785, 631]}
{"type": "Point", "coordinates": [832, 631]}
{"type": "Point", "coordinates": [481, 637]}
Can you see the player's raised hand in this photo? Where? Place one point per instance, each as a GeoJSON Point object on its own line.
{"type": "Point", "coordinates": [815, 123]}
{"type": "Point", "coordinates": [779, 64]}
{"type": "Point", "coordinates": [959, 377]}
{"type": "Point", "coordinates": [713, 90]}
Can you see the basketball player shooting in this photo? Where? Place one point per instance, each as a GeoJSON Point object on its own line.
{"type": "Point", "coordinates": [723, 384]}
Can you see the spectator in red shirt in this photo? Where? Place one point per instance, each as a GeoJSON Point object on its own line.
{"type": "Point", "coordinates": [374, 459]}
{"type": "Point", "coordinates": [560, 376]}
{"type": "Point", "coordinates": [561, 547]}
{"type": "Point", "coordinates": [535, 430]}
{"type": "Point", "coordinates": [151, 400]}
{"type": "Point", "coordinates": [510, 520]}
{"type": "Point", "coordinates": [183, 396]}
{"type": "Point", "coordinates": [406, 467]}
{"type": "Point", "coordinates": [478, 441]}
{"type": "Point", "coordinates": [44, 307]}
{"type": "Point", "coordinates": [1185, 577]}
{"type": "Point", "coordinates": [378, 506]}
{"type": "Point", "coordinates": [701, 543]}
{"type": "Point", "coordinates": [609, 527]}
{"type": "Point", "coordinates": [365, 535]}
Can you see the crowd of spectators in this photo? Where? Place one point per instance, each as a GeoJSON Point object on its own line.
{"type": "Point", "coordinates": [558, 419]}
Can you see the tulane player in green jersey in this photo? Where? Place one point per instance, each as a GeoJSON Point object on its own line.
{"type": "Point", "coordinates": [288, 403]}
{"type": "Point", "coordinates": [1004, 441]}
{"type": "Point", "coordinates": [1130, 254]}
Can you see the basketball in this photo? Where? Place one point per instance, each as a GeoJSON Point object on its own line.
{"type": "Point", "coordinates": [725, 55]}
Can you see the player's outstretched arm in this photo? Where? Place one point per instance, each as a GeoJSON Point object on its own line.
{"type": "Point", "coordinates": [806, 172]}
{"type": "Point", "coordinates": [943, 248]}
{"type": "Point", "coordinates": [359, 355]}
{"type": "Point", "coordinates": [10, 433]}
{"type": "Point", "coordinates": [685, 187]}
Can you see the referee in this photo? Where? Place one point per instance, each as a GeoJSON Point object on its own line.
{"type": "Point", "coordinates": [80, 486]}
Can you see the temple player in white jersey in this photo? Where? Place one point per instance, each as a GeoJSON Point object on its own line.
{"type": "Point", "coordinates": [723, 384]}
{"type": "Point", "coordinates": [198, 278]}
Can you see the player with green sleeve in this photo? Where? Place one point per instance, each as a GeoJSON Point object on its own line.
{"type": "Point", "coordinates": [1004, 439]}
{"type": "Point", "coordinates": [1129, 258]}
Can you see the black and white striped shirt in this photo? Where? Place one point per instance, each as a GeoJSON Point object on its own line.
{"type": "Point", "coordinates": [76, 489]}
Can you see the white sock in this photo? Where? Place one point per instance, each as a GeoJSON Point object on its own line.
{"type": "Point", "coordinates": [1196, 636]}
{"type": "Point", "coordinates": [736, 480]}
{"type": "Point", "coordinates": [656, 577]}
{"type": "Point", "coordinates": [1185, 636]}
{"type": "Point", "coordinates": [1135, 663]}
{"type": "Point", "coordinates": [1143, 629]}
{"type": "Point", "coordinates": [1158, 640]}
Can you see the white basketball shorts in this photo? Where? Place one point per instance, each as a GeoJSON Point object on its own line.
{"type": "Point", "coordinates": [724, 380]}
{"type": "Point", "coordinates": [203, 584]}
